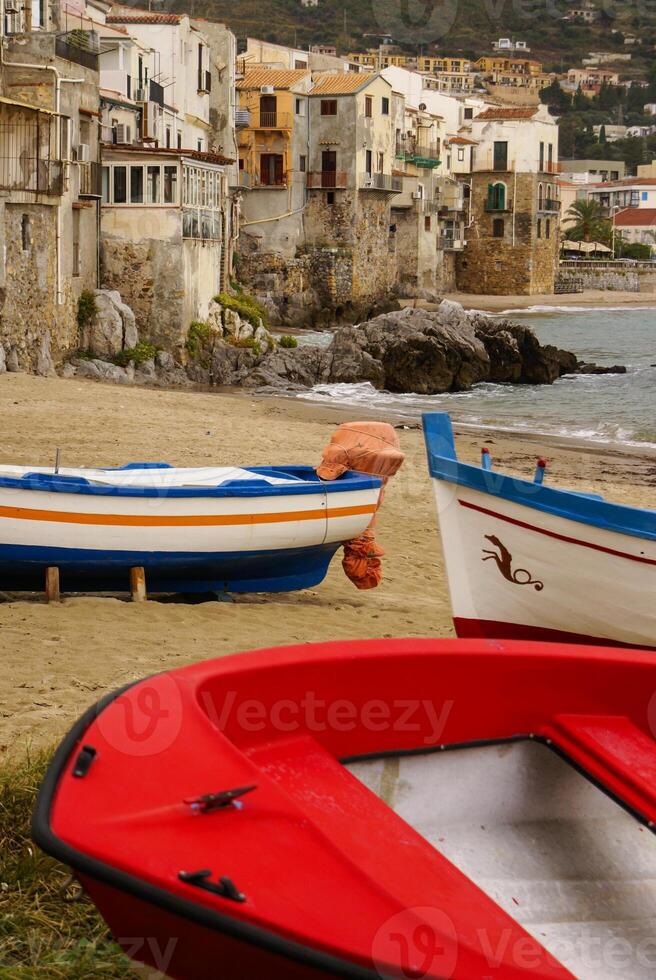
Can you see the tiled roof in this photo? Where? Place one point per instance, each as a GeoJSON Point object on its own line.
{"type": "Point", "coordinates": [341, 83]}
{"type": "Point", "coordinates": [463, 140]}
{"type": "Point", "coordinates": [280, 78]}
{"type": "Point", "coordinates": [143, 17]}
{"type": "Point", "coordinates": [521, 112]}
{"type": "Point", "coordinates": [632, 217]}
{"type": "Point", "coordinates": [628, 182]}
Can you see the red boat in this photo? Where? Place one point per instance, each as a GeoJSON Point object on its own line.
{"type": "Point", "coordinates": [293, 814]}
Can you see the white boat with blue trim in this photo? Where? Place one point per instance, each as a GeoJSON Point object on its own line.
{"type": "Point", "coordinates": [528, 561]}
{"type": "Point", "coordinates": [256, 529]}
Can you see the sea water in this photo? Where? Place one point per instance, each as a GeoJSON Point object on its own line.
{"type": "Point", "coordinates": [609, 408]}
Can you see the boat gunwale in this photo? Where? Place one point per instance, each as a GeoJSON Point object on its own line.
{"type": "Point", "coordinates": [350, 482]}
{"type": "Point", "coordinates": [443, 464]}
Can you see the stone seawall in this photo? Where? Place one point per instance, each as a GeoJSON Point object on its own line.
{"type": "Point", "coordinates": [614, 280]}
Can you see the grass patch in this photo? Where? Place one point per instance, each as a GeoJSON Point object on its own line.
{"type": "Point", "coordinates": [86, 308]}
{"type": "Point", "coordinates": [139, 354]}
{"type": "Point", "coordinates": [288, 341]}
{"type": "Point", "coordinates": [243, 304]}
{"type": "Point", "coordinates": [198, 335]}
{"type": "Point", "coordinates": [41, 934]}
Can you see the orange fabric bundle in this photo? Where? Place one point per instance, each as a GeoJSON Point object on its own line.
{"type": "Point", "coordinates": [368, 447]}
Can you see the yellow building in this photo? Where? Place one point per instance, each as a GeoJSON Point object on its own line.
{"type": "Point", "coordinates": [431, 65]}
{"type": "Point", "coordinates": [518, 66]}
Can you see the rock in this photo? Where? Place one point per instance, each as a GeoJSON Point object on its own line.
{"type": "Point", "coordinates": [3, 360]}
{"type": "Point", "coordinates": [100, 370]}
{"type": "Point", "coordinates": [45, 366]}
{"type": "Point", "coordinates": [583, 368]}
{"type": "Point", "coordinates": [146, 371]}
{"type": "Point", "coordinates": [68, 370]}
{"type": "Point", "coordinates": [215, 317]}
{"type": "Point", "coordinates": [12, 362]}
{"type": "Point", "coordinates": [245, 330]}
{"type": "Point", "coordinates": [113, 328]}
{"type": "Point", "coordinates": [231, 322]}
{"type": "Point", "coordinates": [85, 369]}
{"type": "Point", "coordinates": [165, 361]}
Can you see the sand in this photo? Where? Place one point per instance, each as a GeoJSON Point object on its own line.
{"type": "Point", "coordinates": [58, 659]}
{"type": "Point", "coordinates": [588, 298]}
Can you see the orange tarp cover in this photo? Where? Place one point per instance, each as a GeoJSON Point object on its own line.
{"type": "Point", "coordinates": [368, 447]}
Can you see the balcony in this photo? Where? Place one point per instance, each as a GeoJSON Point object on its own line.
{"type": "Point", "coordinates": [23, 173]}
{"type": "Point", "coordinates": [77, 46]}
{"type": "Point", "coordinates": [549, 205]}
{"type": "Point", "coordinates": [450, 244]}
{"type": "Point", "coordinates": [420, 154]}
{"type": "Point", "coordinates": [326, 180]}
{"type": "Point", "coordinates": [498, 207]}
{"type": "Point", "coordinates": [549, 167]}
{"type": "Point", "coordinates": [380, 182]}
{"type": "Point", "coordinates": [271, 120]}
{"type": "Point", "coordinates": [204, 82]}
{"type": "Point", "coordinates": [242, 118]}
{"type": "Point", "coordinates": [426, 207]}
{"type": "Point", "coordinates": [90, 179]}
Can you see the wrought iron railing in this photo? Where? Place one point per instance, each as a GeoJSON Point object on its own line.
{"type": "Point", "coordinates": [27, 163]}
{"type": "Point", "coordinates": [71, 47]}
{"type": "Point", "coordinates": [271, 120]}
{"type": "Point", "coordinates": [380, 182]}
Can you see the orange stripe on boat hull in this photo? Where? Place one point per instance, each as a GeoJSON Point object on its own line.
{"type": "Point", "coordinates": [201, 520]}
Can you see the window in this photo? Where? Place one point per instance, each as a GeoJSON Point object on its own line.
{"type": "Point", "coordinates": [128, 86]}
{"type": "Point", "coordinates": [368, 157]}
{"type": "Point", "coordinates": [330, 197]}
{"type": "Point", "coordinates": [302, 163]}
{"type": "Point", "coordinates": [105, 185]}
{"type": "Point", "coordinates": [368, 106]}
{"type": "Point", "coordinates": [26, 232]}
{"type": "Point", "coordinates": [120, 188]}
{"type": "Point", "coordinates": [541, 163]}
{"type": "Point", "coordinates": [271, 169]}
{"type": "Point", "coordinates": [540, 197]}
{"type": "Point", "coordinates": [329, 107]}
{"type": "Point", "coordinates": [427, 223]}
{"type": "Point", "coordinates": [385, 106]}
{"type": "Point", "coordinates": [300, 107]}
{"type": "Point", "coordinates": [496, 197]}
{"type": "Point", "coordinates": [381, 163]}
{"type": "Point", "coordinates": [170, 185]}
{"type": "Point", "coordinates": [153, 182]}
{"type": "Point", "coordinates": [498, 228]}
{"type": "Point", "coordinates": [179, 141]}
{"type": "Point", "coordinates": [168, 137]}
{"type": "Point", "coordinates": [199, 146]}
{"type": "Point", "coordinates": [469, 113]}
{"type": "Point", "coordinates": [500, 155]}
{"type": "Point", "coordinates": [461, 154]}
{"type": "Point", "coordinates": [547, 228]}
{"type": "Point", "coordinates": [76, 242]}
{"type": "Point", "coordinates": [136, 185]}
{"type": "Point", "coordinates": [539, 227]}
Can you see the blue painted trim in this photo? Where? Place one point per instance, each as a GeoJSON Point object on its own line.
{"type": "Point", "coordinates": [22, 568]}
{"type": "Point", "coordinates": [589, 509]}
{"type": "Point", "coordinates": [308, 483]}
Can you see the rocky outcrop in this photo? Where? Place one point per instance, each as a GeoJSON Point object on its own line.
{"type": "Point", "coordinates": [112, 329]}
{"type": "Point", "coordinates": [411, 350]}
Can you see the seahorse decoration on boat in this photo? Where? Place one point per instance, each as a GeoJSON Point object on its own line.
{"type": "Point", "coordinates": [503, 558]}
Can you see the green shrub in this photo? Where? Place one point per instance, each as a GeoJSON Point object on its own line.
{"type": "Point", "coordinates": [86, 308]}
{"type": "Point", "coordinates": [197, 336]}
{"type": "Point", "coordinates": [247, 308]}
{"type": "Point", "coordinates": [142, 352]}
{"type": "Point", "coordinates": [247, 342]}
{"type": "Point", "coordinates": [288, 341]}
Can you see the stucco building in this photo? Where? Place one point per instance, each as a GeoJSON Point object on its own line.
{"type": "Point", "coordinates": [49, 186]}
{"type": "Point", "coordinates": [512, 243]}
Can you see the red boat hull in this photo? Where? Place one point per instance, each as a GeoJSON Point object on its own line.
{"type": "Point", "coordinates": [323, 877]}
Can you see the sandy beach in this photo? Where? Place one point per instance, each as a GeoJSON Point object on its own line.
{"type": "Point", "coordinates": [57, 659]}
{"type": "Point", "coordinates": [588, 298]}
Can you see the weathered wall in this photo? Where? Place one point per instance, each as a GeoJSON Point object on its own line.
{"type": "Point", "coordinates": [520, 262]}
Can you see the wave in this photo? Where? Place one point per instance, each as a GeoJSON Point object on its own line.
{"type": "Point", "coordinates": [627, 308]}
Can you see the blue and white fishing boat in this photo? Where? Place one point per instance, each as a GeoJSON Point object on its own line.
{"type": "Point", "coordinates": [259, 529]}
{"type": "Point", "coordinates": [528, 561]}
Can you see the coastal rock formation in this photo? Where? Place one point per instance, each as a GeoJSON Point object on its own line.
{"type": "Point", "coordinates": [113, 328]}
{"type": "Point", "coordinates": [410, 350]}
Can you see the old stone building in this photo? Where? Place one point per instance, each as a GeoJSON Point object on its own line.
{"type": "Point", "coordinates": [512, 242]}
{"type": "Point", "coordinates": [49, 188]}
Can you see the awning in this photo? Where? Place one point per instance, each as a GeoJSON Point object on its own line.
{"type": "Point", "coordinates": [26, 105]}
{"type": "Point", "coordinates": [197, 121]}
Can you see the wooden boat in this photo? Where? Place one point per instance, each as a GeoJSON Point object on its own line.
{"type": "Point", "coordinates": [528, 561]}
{"type": "Point", "coordinates": [261, 529]}
{"type": "Point", "coordinates": [376, 809]}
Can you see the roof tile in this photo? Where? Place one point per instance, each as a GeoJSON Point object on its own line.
{"type": "Point", "coordinates": [632, 217]}
{"type": "Point", "coordinates": [280, 78]}
{"type": "Point", "coordinates": [341, 82]}
{"type": "Point", "coordinates": [500, 113]}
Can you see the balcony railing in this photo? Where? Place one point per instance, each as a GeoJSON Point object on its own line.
{"type": "Point", "coordinates": [156, 93]}
{"type": "Point", "coordinates": [381, 182]}
{"type": "Point", "coordinates": [549, 167]}
{"type": "Point", "coordinates": [71, 46]}
{"type": "Point", "coordinates": [451, 244]}
{"type": "Point", "coordinates": [30, 174]}
{"type": "Point", "coordinates": [271, 120]}
{"type": "Point", "coordinates": [426, 207]}
{"type": "Point", "coordinates": [326, 179]}
{"type": "Point", "coordinates": [90, 179]}
{"type": "Point", "coordinates": [498, 205]}
{"type": "Point", "coordinates": [242, 118]}
{"type": "Point", "coordinates": [549, 204]}
{"type": "Point", "coordinates": [422, 155]}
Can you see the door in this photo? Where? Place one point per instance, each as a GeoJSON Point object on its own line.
{"type": "Point", "coordinates": [268, 110]}
{"type": "Point", "coordinates": [271, 172]}
{"type": "Point", "coordinates": [368, 162]}
{"type": "Point", "coordinates": [328, 168]}
{"type": "Point", "coordinates": [500, 155]}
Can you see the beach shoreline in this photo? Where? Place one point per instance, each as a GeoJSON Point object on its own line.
{"type": "Point", "coordinates": [588, 299]}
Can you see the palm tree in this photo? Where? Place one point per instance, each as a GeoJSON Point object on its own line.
{"type": "Point", "coordinates": [588, 222]}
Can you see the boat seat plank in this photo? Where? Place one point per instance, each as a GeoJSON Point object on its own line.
{"type": "Point", "coordinates": [616, 752]}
